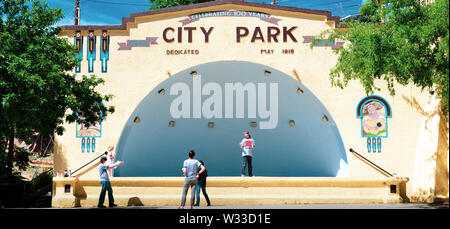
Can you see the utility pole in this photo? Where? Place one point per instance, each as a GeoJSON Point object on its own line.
{"type": "Point", "coordinates": [77, 11]}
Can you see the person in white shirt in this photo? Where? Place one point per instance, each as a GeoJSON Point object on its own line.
{"type": "Point", "coordinates": [247, 145]}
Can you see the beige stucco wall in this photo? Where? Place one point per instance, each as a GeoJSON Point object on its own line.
{"type": "Point", "coordinates": [132, 74]}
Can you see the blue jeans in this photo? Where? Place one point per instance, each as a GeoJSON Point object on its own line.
{"type": "Point", "coordinates": [106, 186]}
{"type": "Point", "coordinates": [203, 187]}
{"type": "Point", "coordinates": [247, 160]}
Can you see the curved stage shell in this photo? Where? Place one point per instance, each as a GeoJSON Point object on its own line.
{"type": "Point", "coordinates": [304, 143]}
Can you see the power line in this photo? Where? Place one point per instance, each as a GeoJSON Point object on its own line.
{"type": "Point", "coordinates": [69, 17]}
{"type": "Point", "coordinates": [326, 4]}
{"type": "Point", "coordinates": [307, 5]}
{"type": "Point", "coordinates": [330, 3]}
{"type": "Point", "coordinates": [312, 4]}
{"type": "Point", "coordinates": [344, 7]}
{"type": "Point", "coordinates": [119, 3]}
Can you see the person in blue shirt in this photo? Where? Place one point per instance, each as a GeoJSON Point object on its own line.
{"type": "Point", "coordinates": [191, 173]}
{"type": "Point", "coordinates": [104, 180]}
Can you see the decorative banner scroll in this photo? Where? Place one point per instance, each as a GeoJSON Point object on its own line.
{"type": "Point", "coordinates": [137, 43]}
{"type": "Point", "coordinates": [322, 42]}
{"type": "Point", "coordinates": [231, 13]}
{"type": "Point", "coordinates": [307, 39]}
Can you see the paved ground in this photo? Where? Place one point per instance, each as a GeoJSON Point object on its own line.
{"type": "Point", "coordinates": [321, 206]}
{"type": "Point", "coordinates": [306, 206]}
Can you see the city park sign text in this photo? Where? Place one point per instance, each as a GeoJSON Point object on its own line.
{"type": "Point", "coordinates": [270, 34]}
{"type": "Point", "coordinates": [186, 34]}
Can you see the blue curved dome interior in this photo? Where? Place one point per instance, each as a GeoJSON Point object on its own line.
{"type": "Point", "coordinates": [312, 147]}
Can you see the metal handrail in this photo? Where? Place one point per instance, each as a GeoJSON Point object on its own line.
{"type": "Point", "coordinates": [378, 167]}
{"type": "Point", "coordinates": [89, 162]}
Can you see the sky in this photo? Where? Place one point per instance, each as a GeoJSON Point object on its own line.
{"type": "Point", "coordinates": [110, 12]}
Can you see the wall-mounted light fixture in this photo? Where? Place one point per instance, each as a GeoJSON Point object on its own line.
{"type": "Point", "coordinates": [210, 124]}
{"type": "Point", "coordinates": [291, 123]}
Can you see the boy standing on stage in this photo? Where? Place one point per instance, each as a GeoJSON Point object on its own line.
{"type": "Point", "coordinates": [247, 145]}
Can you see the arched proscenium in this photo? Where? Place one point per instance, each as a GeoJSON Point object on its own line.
{"type": "Point", "coordinates": [303, 142]}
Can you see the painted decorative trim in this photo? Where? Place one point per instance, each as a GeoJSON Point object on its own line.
{"type": "Point", "coordinates": [99, 127]}
{"type": "Point", "coordinates": [93, 144]}
{"type": "Point", "coordinates": [133, 16]}
{"type": "Point", "coordinates": [137, 43]}
{"type": "Point", "coordinates": [88, 143]}
{"type": "Point", "coordinates": [374, 112]}
{"type": "Point", "coordinates": [83, 144]}
{"type": "Point", "coordinates": [322, 42]}
{"type": "Point", "coordinates": [370, 98]}
{"type": "Point", "coordinates": [374, 145]}
{"type": "Point", "coordinates": [91, 50]}
{"type": "Point", "coordinates": [93, 131]}
{"type": "Point", "coordinates": [379, 145]}
{"type": "Point", "coordinates": [78, 42]}
{"type": "Point", "coordinates": [104, 50]}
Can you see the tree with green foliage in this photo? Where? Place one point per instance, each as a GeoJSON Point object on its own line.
{"type": "Point", "coordinates": [403, 41]}
{"type": "Point", "coordinates": [159, 4]}
{"type": "Point", "coordinates": [37, 83]}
